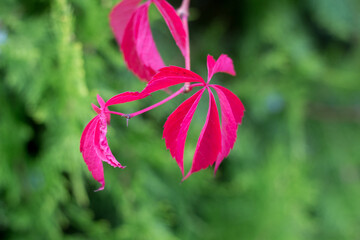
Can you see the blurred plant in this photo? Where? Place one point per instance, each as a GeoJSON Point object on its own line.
{"type": "Point", "coordinates": [130, 24]}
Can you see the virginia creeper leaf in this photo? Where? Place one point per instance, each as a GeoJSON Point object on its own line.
{"type": "Point", "coordinates": [169, 76]}
{"type": "Point", "coordinates": [223, 64]}
{"type": "Point", "coordinates": [101, 145]}
{"type": "Point", "coordinates": [174, 23]}
{"type": "Point", "coordinates": [131, 28]}
{"type": "Point", "coordinates": [229, 126]}
{"type": "Point", "coordinates": [96, 108]}
{"type": "Point", "coordinates": [138, 46]}
{"type": "Point", "coordinates": [209, 143]}
{"type": "Point", "coordinates": [84, 134]}
{"type": "Point", "coordinates": [177, 126]}
{"type": "Point", "coordinates": [120, 16]}
{"type": "Point", "coordinates": [94, 146]}
{"type": "Point", "coordinates": [100, 101]}
{"type": "Point", "coordinates": [125, 97]}
{"type": "Point", "coordinates": [236, 105]}
{"type": "Point", "coordinates": [90, 156]}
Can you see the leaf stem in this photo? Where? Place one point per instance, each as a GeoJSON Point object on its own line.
{"type": "Point", "coordinates": [183, 13]}
{"type": "Point", "coordinates": [131, 115]}
{"type": "Point", "coordinates": [116, 113]}
{"type": "Point", "coordinates": [181, 90]}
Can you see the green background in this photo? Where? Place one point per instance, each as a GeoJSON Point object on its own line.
{"type": "Point", "coordinates": [294, 172]}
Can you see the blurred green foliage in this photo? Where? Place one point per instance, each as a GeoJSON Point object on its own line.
{"type": "Point", "coordinates": [294, 172]}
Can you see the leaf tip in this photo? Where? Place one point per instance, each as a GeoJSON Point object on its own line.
{"type": "Point", "coordinates": [100, 188]}
{"type": "Point", "coordinates": [96, 108]}
{"type": "Point", "coordinates": [100, 101]}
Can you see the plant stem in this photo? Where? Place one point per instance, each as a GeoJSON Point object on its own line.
{"type": "Point", "coordinates": [117, 113]}
{"type": "Point", "coordinates": [181, 90]}
{"type": "Point", "coordinates": [183, 12]}
{"type": "Point", "coordinates": [131, 115]}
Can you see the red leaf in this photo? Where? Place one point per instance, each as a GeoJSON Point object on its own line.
{"type": "Point", "coordinates": [90, 156]}
{"type": "Point", "coordinates": [209, 143]}
{"type": "Point", "coordinates": [236, 105]}
{"type": "Point", "coordinates": [223, 64]}
{"type": "Point", "coordinates": [174, 23]}
{"type": "Point", "coordinates": [120, 16]}
{"type": "Point", "coordinates": [131, 28]}
{"type": "Point", "coordinates": [169, 76]}
{"type": "Point", "coordinates": [95, 148]}
{"type": "Point", "coordinates": [177, 126]}
{"type": "Point", "coordinates": [229, 124]}
{"type": "Point", "coordinates": [96, 108]}
{"type": "Point", "coordinates": [138, 46]}
{"type": "Point", "coordinates": [84, 134]}
{"type": "Point", "coordinates": [100, 101]}
{"type": "Point", "coordinates": [101, 145]}
{"type": "Point", "coordinates": [125, 97]}
{"type": "Point", "coordinates": [102, 107]}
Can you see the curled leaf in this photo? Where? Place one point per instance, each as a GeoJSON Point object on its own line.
{"type": "Point", "coordinates": [95, 149]}
{"type": "Point", "coordinates": [94, 146]}
{"type": "Point", "coordinates": [89, 153]}
{"type": "Point", "coordinates": [138, 46]}
{"type": "Point", "coordinates": [120, 16]}
{"type": "Point", "coordinates": [130, 24]}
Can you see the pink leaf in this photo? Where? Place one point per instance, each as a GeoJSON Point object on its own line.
{"type": "Point", "coordinates": [96, 108]}
{"type": "Point", "coordinates": [223, 64]}
{"type": "Point", "coordinates": [177, 126]}
{"type": "Point", "coordinates": [120, 16]}
{"type": "Point", "coordinates": [236, 105]}
{"type": "Point", "coordinates": [229, 125]}
{"type": "Point", "coordinates": [84, 134]}
{"type": "Point", "coordinates": [169, 76]}
{"type": "Point", "coordinates": [90, 156]}
{"type": "Point", "coordinates": [174, 23]}
{"type": "Point", "coordinates": [125, 97]}
{"type": "Point", "coordinates": [138, 46]}
{"type": "Point", "coordinates": [100, 101]}
{"type": "Point", "coordinates": [95, 149]}
{"type": "Point", "coordinates": [101, 145]}
{"type": "Point", "coordinates": [102, 107]}
{"type": "Point", "coordinates": [209, 143]}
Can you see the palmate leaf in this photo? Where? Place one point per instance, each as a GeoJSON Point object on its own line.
{"type": "Point", "coordinates": [214, 142]}
{"type": "Point", "coordinates": [131, 27]}
{"type": "Point", "coordinates": [95, 149]}
{"type": "Point", "coordinates": [93, 143]}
